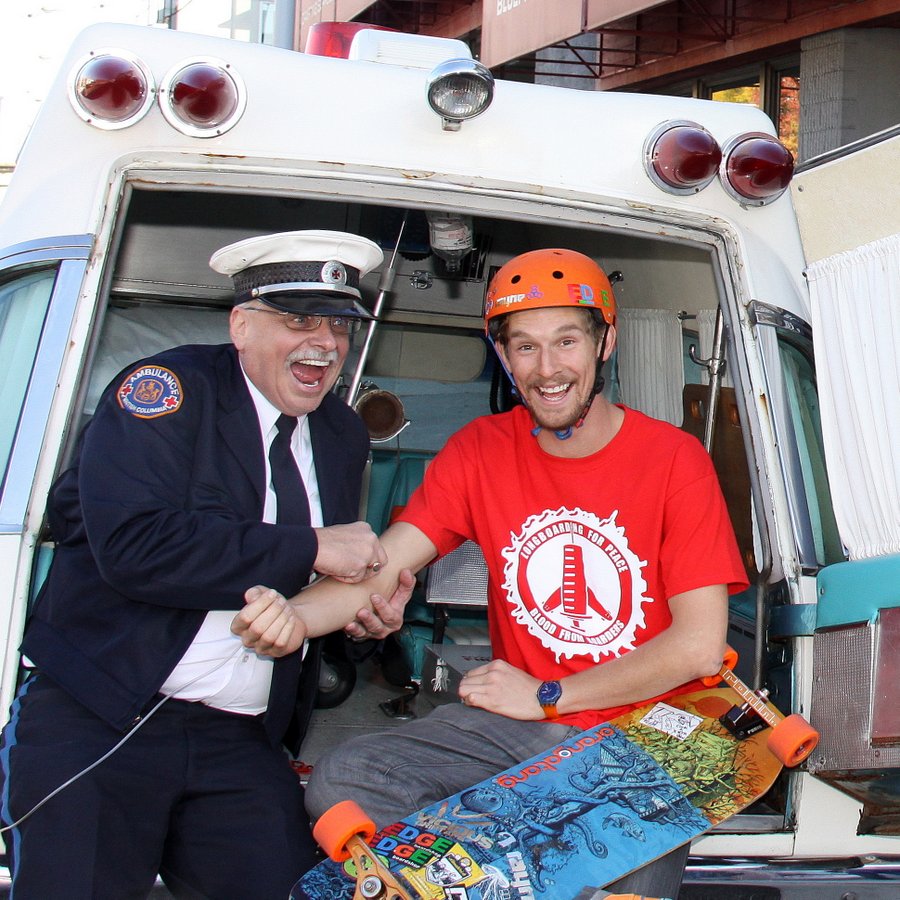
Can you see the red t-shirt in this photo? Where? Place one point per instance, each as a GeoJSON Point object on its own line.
{"type": "Point", "coordinates": [582, 554]}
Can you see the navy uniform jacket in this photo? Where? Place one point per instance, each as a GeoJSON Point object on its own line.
{"type": "Point", "coordinates": [158, 520]}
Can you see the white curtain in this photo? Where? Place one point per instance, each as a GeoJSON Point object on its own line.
{"type": "Point", "coordinates": [651, 362]}
{"type": "Point", "coordinates": [856, 333]}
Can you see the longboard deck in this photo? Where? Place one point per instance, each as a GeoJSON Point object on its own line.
{"type": "Point", "coordinates": [572, 820]}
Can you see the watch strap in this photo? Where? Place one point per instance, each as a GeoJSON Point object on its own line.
{"type": "Point", "coordinates": [550, 711]}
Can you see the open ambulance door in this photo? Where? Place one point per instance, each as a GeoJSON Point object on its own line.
{"type": "Point", "coordinates": [849, 219]}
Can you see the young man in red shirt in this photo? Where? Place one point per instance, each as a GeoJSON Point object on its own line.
{"type": "Point", "coordinates": [609, 549]}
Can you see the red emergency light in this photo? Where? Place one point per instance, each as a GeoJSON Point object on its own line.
{"type": "Point", "coordinates": [681, 157]}
{"type": "Point", "coordinates": [202, 97]}
{"type": "Point", "coordinates": [111, 89]}
{"type": "Point", "coordinates": [334, 38]}
{"type": "Point", "coordinates": [756, 168]}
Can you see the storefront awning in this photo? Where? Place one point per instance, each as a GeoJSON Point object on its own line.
{"type": "Point", "coordinates": [513, 28]}
{"type": "Point", "coordinates": [603, 12]}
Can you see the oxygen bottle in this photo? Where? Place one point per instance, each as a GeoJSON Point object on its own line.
{"type": "Point", "coordinates": [451, 237]}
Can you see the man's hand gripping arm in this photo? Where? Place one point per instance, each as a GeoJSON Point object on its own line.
{"type": "Point", "coordinates": [275, 626]}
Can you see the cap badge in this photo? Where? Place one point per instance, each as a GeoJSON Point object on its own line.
{"type": "Point", "coordinates": [334, 272]}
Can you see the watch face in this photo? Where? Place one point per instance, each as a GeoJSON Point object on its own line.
{"type": "Point", "coordinates": [549, 692]}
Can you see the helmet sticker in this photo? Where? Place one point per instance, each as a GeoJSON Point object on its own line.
{"type": "Point", "coordinates": [574, 583]}
{"type": "Point", "coordinates": [582, 293]}
{"type": "Point", "coordinates": [149, 392]}
{"type": "Point", "coordinates": [510, 300]}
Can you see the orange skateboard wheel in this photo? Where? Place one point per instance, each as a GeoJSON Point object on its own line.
{"type": "Point", "coordinates": [630, 897]}
{"type": "Point", "coordinates": [338, 825]}
{"type": "Point", "coordinates": [792, 740]}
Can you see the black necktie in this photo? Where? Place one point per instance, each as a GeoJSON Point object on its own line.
{"type": "Point", "coordinates": [281, 721]}
{"type": "Point", "coordinates": [293, 504]}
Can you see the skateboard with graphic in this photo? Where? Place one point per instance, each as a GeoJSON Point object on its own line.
{"type": "Point", "coordinates": [587, 812]}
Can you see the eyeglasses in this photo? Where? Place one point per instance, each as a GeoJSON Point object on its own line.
{"type": "Point", "coordinates": [309, 322]}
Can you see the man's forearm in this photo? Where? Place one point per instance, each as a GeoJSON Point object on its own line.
{"type": "Point", "coordinates": [329, 605]}
{"type": "Point", "coordinates": [691, 647]}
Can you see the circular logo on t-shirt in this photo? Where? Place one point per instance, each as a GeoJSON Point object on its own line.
{"type": "Point", "coordinates": [575, 584]}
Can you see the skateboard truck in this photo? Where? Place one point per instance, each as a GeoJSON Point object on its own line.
{"type": "Point", "coordinates": [743, 721]}
{"type": "Point", "coordinates": [792, 738]}
{"type": "Point", "coordinates": [343, 833]}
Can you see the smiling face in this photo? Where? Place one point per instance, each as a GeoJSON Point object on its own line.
{"type": "Point", "coordinates": [292, 369]}
{"type": "Point", "coordinates": [552, 355]}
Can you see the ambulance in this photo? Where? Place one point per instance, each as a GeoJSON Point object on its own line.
{"type": "Point", "coordinates": [757, 309]}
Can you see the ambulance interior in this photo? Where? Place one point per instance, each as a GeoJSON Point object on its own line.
{"type": "Point", "coordinates": [429, 370]}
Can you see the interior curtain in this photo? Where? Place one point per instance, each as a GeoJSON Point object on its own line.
{"type": "Point", "coordinates": [650, 362]}
{"type": "Point", "coordinates": [129, 334]}
{"type": "Point", "coordinates": [856, 332]}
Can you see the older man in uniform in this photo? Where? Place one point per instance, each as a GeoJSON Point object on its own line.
{"type": "Point", "coordinates": [205, 470]}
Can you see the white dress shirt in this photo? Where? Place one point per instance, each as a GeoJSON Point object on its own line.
{"type": "Point", "coordinates": [216, 668]}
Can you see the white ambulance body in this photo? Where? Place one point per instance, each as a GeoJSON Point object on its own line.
{"type": "Point", "coordinates": [118, 200]}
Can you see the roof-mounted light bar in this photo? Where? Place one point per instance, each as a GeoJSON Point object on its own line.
{"type": "Point", "coordinates": [335, 38]}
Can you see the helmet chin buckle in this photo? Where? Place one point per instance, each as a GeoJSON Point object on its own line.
{"type": "Point", "coordinates": [562, 435]}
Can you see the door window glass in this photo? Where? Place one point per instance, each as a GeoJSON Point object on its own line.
{"type": "Point", "coordinates": [799, 422]}
{"type": "Point", "coordinates": [23, 307]}
{"type": "Point", "coordinates": [803, 403]}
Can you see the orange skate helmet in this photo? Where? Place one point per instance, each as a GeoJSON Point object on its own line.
{"type": "Point", "coordinates": [543, 278]}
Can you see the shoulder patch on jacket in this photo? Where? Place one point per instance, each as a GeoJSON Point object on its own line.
{"type": "Point", "coordinates": [149, 392]}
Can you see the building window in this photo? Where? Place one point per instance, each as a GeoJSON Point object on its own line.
{"type": "Point", "coordinates": [742, 93]}
{"type": "Point", "coordinates": [787, 117]}
{"type": "Point", "coordinates": [266, 23]}
{"type": "Point", "coordinates": [773, 86]}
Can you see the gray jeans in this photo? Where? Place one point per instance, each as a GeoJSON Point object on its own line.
{"type": "Point", "coordinates": [394, 772]}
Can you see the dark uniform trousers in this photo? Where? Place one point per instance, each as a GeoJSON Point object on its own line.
{"type": "Point", "coordinates": [189, 794]}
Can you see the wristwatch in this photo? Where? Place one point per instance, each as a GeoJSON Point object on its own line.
{"type": "Point", "coordinates": [548, 695]}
